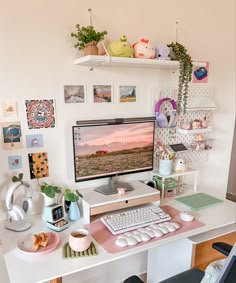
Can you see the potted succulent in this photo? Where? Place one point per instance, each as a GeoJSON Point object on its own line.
{"type": "Point", "coordinates": [71, 199]}
{"type": "Point", "coordinates": [87, 39]}
{"type": "Point", "coordinates": [180, 53]}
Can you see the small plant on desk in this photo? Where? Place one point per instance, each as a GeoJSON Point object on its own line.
{"type": "Point", "coordinates": [71, 206]}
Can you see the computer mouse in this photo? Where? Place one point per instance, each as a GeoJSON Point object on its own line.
{"type": "Point", "coordinates": [176, 225]}
{"type": "Point", "coordinates": [122, 242]}
{"type": "Point", "coordinates": [170, 227]}
{"type": "Point", "coordinates": [185, 216]}
{"type": "Point", "coordinates": [131, 241]}
{"type": "Point", "coordinates": [145, 237]}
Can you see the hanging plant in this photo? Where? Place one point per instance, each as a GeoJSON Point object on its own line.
{"type": "Point", "coordinates": [180, 53]}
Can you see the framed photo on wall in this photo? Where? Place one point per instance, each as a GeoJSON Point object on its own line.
{"type": "Point", "coordinates": [127, 93]}
{"type": "Point", "coordinates": [74, 93]}
{"type": "Point", "coordinates": [102, 94]}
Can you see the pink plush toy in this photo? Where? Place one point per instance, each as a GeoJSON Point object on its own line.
{"type": "Point", "coordinates": [143, 49]}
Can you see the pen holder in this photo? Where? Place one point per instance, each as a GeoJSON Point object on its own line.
{"type": "Point", "coordinates": [165, 167]}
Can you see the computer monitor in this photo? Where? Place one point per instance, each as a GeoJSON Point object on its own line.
{"type": "Point", "coordinates": [108, 148]}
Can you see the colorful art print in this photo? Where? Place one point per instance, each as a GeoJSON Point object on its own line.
{"type": "Point", "coordinates": [74, 93]}
{"type": "Point", "coordinates": [33, 141]}
{"type": "Point", "coordinates": [14, 162]}
{"type": "Point", "coordinates": [40, 113]}
{"type": "Point", "coordinates": [9, 108]}
{"type": "Point", "coordinates": [38, 163]}
{"type": "Point", "coordinates": [11, 132]}
{"type": "Point", "coordinates": [102, 93]}
{"type": "Point", "coordinates": [127, 93]}
{"type": "Point", "coordinates": [200, 74]}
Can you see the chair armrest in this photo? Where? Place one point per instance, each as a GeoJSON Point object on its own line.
{"type": "Point", "coordinates": [222, 247]}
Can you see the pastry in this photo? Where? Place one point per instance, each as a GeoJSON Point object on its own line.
{"type": "Point", "coordinates": [44, 239]}
{"type": "Point", "coordinates": [36, 242]}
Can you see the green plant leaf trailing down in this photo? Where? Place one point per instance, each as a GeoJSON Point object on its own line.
{"type": "Point", "coordinates": [70, 196]}
{"type": "Point", "coordinates": [185, 73]}
{"type": "Point", "coordinates": [87, 34]}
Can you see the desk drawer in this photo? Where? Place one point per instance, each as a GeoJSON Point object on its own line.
{"type": "Point", "coordinates": [123, 204]}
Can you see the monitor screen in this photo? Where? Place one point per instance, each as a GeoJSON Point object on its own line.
{"type": "Point", "coordinates": [104, 150]}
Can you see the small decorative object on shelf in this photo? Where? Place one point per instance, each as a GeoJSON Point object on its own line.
{"type": "Point", "coordinates": [166, 159]}
{"type": "Point", "coordinates": [180, 53]}
{"type": "Point", "coordinates": [196, 124]}
{"type": "Point", "coordinates": [162, 52]}
{"type": "Point", "coordinates": [180, 165]}
{"type": "Point", "coordinates": [121, 48]}
{"type": "Point", "coordinates": [88, 39]}
{"type": "Point", "coordinates": [143, 49]}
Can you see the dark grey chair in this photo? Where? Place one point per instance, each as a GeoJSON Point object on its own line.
{"type": "Point", "coordinates": [194, 275]}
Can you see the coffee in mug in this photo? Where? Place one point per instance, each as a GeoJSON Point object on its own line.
{"type": "Point", "coordinates": [79, 240]}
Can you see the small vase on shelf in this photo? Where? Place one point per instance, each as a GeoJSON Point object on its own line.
{"type": "Point", "coordinates": [74, 213]}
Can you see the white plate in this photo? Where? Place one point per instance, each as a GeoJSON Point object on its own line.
{"type": "Point", "coordinates": [25, 244]}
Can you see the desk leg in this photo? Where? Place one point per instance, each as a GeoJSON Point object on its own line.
{"type": "Point", "coordinates": [56, 280]}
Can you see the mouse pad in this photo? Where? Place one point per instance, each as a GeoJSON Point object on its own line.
{"type": "Point", "coordinates": [198, 201]}
{"type": "Point", "coordinates": [104, 237]}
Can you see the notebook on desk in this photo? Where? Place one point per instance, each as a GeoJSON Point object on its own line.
{"type": "Point", "coordinates": [198, 201]}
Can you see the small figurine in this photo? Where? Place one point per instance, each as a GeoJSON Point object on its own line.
{"type": "Point", "coordinates": [204, 122]}
{"type": "Point", "coordinates": [143, 49]}
{"type": "Point", "coordinates": [185, 125]}
{"type": "Point", "coordinates": [180, 165]}
{"type": "Point", "coordinates": [162, 52]}
{"type": "Point", "coordinates": [196, 124]}
{"type": "Point", "coordinates": [121, 48]}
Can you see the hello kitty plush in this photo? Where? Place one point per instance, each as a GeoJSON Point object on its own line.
{"type": "Point", "coordinates": [143, 49]}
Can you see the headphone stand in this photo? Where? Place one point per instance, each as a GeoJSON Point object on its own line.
{"type": "Point", "coordinates": [17, 226]}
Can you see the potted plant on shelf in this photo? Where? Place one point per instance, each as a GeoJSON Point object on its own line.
{"type": "Point", "coordinates": [180, 53]}
{"type": "Point", "coordinates": [48, 192]}
{"type": "Point", "coordinates": [71, 199]}
{"type": "Point", "coordinates": [88, 39]}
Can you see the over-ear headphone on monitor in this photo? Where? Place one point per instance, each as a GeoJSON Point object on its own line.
{"type": "Point", "coordinates": [24, 206]}
{"type": "Point", "coordinates": [162, 120]}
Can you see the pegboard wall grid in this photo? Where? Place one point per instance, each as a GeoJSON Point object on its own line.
{"type": "Point", "coordinates": [200, 104]}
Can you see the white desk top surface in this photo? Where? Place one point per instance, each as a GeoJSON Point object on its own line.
{"type": "Point", "coordinates": [40, 268]}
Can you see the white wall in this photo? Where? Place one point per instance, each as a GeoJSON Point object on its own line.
{"type": "Point", "coordinates": [36, 55]}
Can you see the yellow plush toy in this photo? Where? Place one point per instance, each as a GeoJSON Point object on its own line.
{"type": "Point", "coordinates": [121, 48]}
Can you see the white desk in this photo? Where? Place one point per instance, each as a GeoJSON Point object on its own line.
{"type": "Point", "coordinates": [28, 269]}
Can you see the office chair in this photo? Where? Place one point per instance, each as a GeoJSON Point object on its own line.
{"type": "Point", "coordinates": [194, 275]}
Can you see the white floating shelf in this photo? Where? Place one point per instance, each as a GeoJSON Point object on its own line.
{"type": "Point", "coordinates": [195, 131]}
{"type": "Point", "coordinates": [105, 60]}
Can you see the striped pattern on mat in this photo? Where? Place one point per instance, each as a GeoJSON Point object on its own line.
{"type": "Point", "coordinates": [67, 252]}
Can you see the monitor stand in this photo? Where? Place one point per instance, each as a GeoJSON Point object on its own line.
{"type": "Point", "coordinates": [111, 187]}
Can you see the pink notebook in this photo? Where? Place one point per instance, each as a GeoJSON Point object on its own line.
{"type": "Point", "coordinates": [104, 237]}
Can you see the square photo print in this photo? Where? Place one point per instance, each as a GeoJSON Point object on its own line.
{"type": "Point", "coordinates": [127, 93]}
{"type": "Point", "coordinates": [14, 162]}
{"type": "Point", "coordinates": [40, 113]}
{"type": "Point", "coordinates": [102, 93]}
{"type": "Point", "coordinates": [11, 133]}
{"type": "Point", "coordinates": [74, 93]}
{"type": "Point", "coordinates": [38, 164]}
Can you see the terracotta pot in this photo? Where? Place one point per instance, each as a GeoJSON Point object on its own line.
{"type": "Point", "coordinates": [91, 49]}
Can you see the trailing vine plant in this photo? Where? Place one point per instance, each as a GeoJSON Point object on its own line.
{"type": "Point", "coordinates": [180, 53]}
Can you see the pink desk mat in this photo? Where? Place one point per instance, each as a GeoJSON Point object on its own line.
{"type": "Point", "coordinates": [104, 237]}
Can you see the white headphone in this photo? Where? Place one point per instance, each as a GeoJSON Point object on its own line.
{"type": "Point", "coordinates": [25, 204]}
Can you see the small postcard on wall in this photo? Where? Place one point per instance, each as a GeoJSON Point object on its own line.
{"type": "Point", "coordinates": [40, 113]}
{"type": "Point", "coordinates": [14, 162]}
{"type": "Point", "coordinates": [127, 93]}
{"type": "Point", "coordinates": [33, 141]}
{"type": "Point", "coordinates": [38, 164]}
{"type": "Point", "coordinates": [9, 109]}
{"type": "Point", "coordinates": [11, 135]}
{"type": "Point", "coordinates": [74, 93]}
{"type": "Point", "coordinates": [102, 94]}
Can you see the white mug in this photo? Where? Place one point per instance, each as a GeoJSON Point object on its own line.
{"type": "Point", "coordinates": [79, 240]}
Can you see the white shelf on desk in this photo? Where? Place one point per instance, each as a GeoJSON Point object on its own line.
{"type": "Point", "coordinates": [195, 131]}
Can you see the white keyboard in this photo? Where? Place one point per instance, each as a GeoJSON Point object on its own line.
{"type": "Point", "coordinates": [134, 218]}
